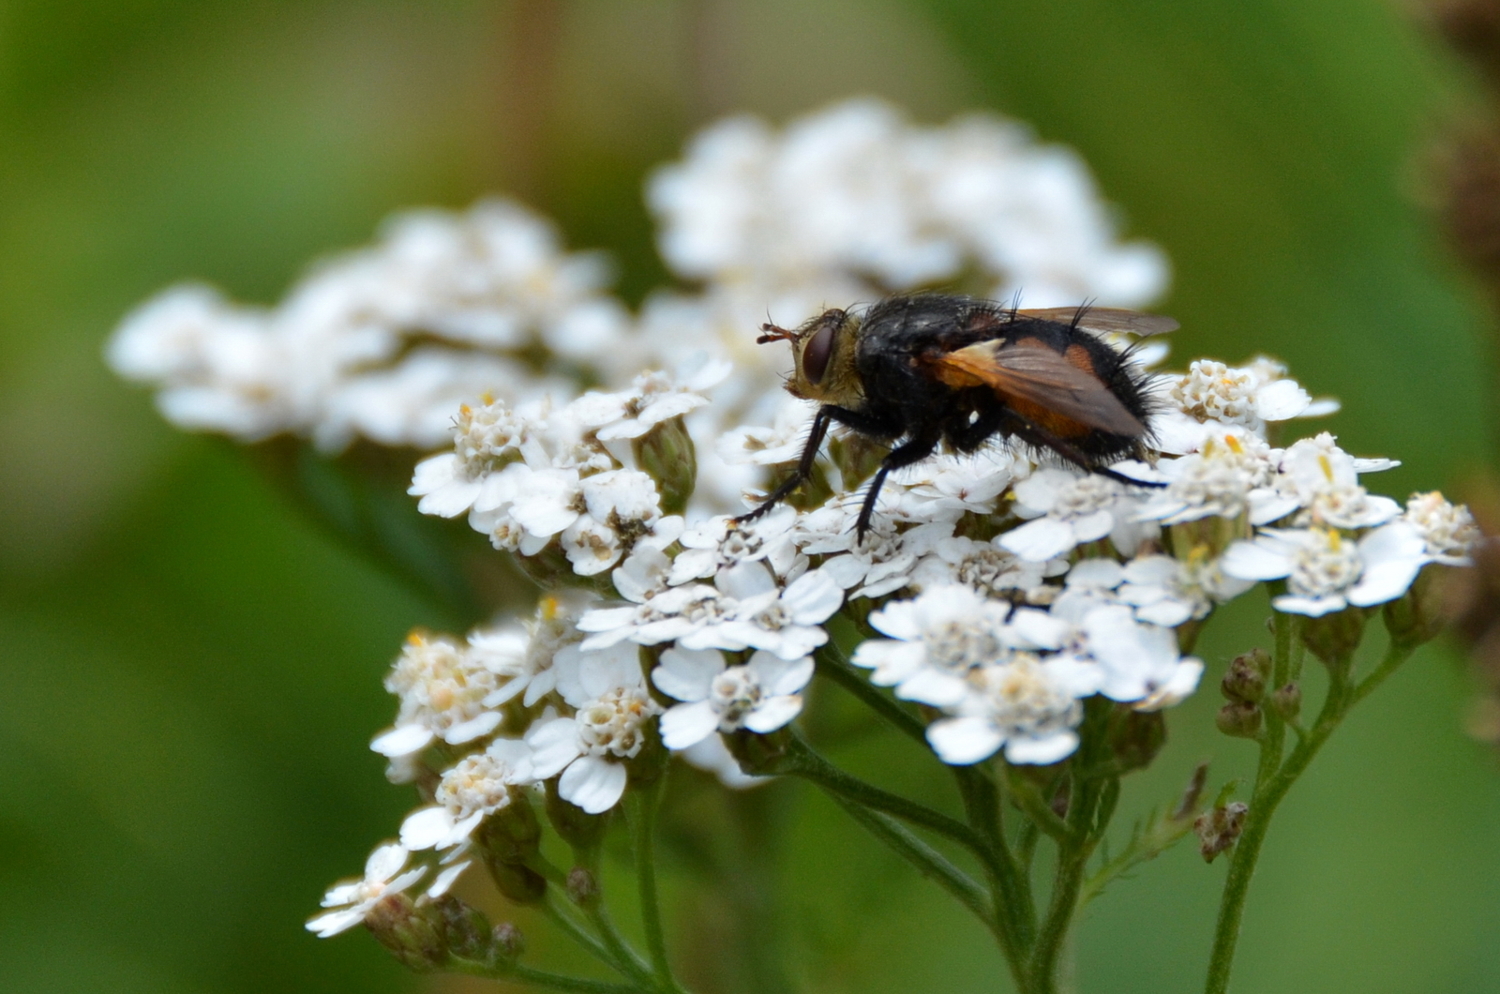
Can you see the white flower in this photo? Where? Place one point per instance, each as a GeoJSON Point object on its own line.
{"type": "Point", "coordinates": [983, 566]}
{"type": "Point", "coordinates": [1324, 481]}
{"type": "Point", "coordinates": [1169, 592]}
{"type": "Point", "coordinates": [1229, 475]}
{"type": "Point", "coordinates": [476, 786]}
{"type": "Point", "coordinates": [1448, 529]}
{"type": "Point", "coordinates": [781, 443]}
{"type": "Point", "coordinates": [1327, 571]}
{"type": "Point", "coordinates": [450, 483]}
{"type": "Point", "coordinates": [525, 660]}
{"type": "Point", "coordinates": [743, 610]}
{"type": "Point", "coordinates": [1070, 508]}
{"type": "Point", "coordinates": [711, 755]}
{"type": "Point", "coordinates": [588, 748]}
{"type": "Point", "coordinates": [1213, 393]}
{"type": "Point", "coordinates": [880, 563]}
{"type": "Point", "coordinates": [443, 690]}
{"type": "Point", "coordinates": [654, 397]}
{"type": "Point", "coordinates": [722, 542]}
{"type": "Point", "coordinates": [1026, 704]}
{"type": "Point", "coordinates": [762, 695]}
{"type": "Point", "coordinates": [942, 635]}
{"type": "Point", "coordinates": [352, 899]}
{"type": "Point", "coordinates": [1138, 663]}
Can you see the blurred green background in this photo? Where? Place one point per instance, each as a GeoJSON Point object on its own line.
{"type": "Point", "coordinates": [191, 672]}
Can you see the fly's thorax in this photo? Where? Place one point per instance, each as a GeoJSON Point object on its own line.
{"type": "Point", "coordinates": [823, 350]}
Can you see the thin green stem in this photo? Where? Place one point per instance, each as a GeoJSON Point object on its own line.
{"type": "Point", "coordinates": [1015, 908]}
{"type": "Point", "coordinates": [1269, 793]}
{"type": "Point", "coordinates": [628, 960]}
{"type": "Point", "coordinates": [832, 664]}
{"type": "Point", "coordinates": [564, 920]}
{"type": "Point", "coordinates": [1032, 803]}
{"type": "Point", "coordinates": [802, 761]}
{"type": "Point", "coordinates": [1073, 854]}
{"type": "Point", "coordinates": [928, 861]}
{"type": "Point", "coordinates": [643, 806]}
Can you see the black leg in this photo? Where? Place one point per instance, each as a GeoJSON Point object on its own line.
{"type": "Point", "coordinates": [914, 450]}
{"type": "Point", "coordinates": [1043, 439]}
{"type": "Point", "coordinates": [966, 436]}
{"type": "Point", "coordinates": [820, 424]}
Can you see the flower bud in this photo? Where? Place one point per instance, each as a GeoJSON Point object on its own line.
{"type": "Point", "coordinates": [758, 755]}
{"type": "Point", "coordinates": [1418, 615]}
{"type": "Point", "coordinates": [666, 454]}
{"type": "Point", "coordinates": [1287, 701]}
{"type": "Point", "coordinates": [521, 884]}
{"type": "Point", "coordinates": [583, 888]}
{"type": "Point", "coordinates": [576, 826]}
{"type": "Point", "coordinates": [1192, 793]}
{"type": "Point", "coordinates": [465, 929]}
{"type": "Point", "coordinates": [1241, 719]}
{"type": "Point", "coordinates": [1218, 829]}
{"type": "Point", "coordinates": [1247, 675]}
{"type": "Point", "coordinates": [508, 941]}
{"type": "Point", "coordinates": [511, 834]}
{"type": "Point", "coordinates": [1135, 737]}
{"type": "Point", "coordinates": [413, 935]}
{"type": "Point", "coordinates": [1334, 637]}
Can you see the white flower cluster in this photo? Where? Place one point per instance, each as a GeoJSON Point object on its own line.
{"type": "Point", "coordinates": [382, 343]}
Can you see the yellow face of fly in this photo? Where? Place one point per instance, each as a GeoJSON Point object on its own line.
{"type": "Point", "coordinates": [823, 351]}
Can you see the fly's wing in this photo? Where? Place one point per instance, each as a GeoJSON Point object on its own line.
{"type": "Point", "coordinates": [1103, 319]}
{"type": "Point", "coordinates": [1044, 378]}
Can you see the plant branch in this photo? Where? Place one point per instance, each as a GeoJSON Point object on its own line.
{"type": "Point", "coordinates": [832, 664]}
{"type": "Point", "coordinates": [643, 807]}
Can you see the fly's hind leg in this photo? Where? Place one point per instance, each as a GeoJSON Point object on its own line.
{"type": "Point", "coordinates": [1040, 437]}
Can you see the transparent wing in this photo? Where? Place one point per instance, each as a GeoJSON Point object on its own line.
{"type": "Point", "coordinates": [1043, 377]}
{"type": "Point", "coordinates": [1103, 319]}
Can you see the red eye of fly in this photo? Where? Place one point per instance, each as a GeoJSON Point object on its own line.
{"type": "Point", "coordinates": [815, 356]}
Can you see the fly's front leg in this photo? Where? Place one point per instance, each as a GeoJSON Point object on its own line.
{"type": "Point", "coordinates": [820, 424]}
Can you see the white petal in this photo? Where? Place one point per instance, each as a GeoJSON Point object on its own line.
{"type": "Point", "coordinates": [1253, 561]}
{"type": "Point", "coordinates": [1039, 540]}
{"type": "Point", "coordinates": [426, 828]}
{"type": "Point", "coordinates": [687, 674]}
{"type": "Point", "coordinates": [1384, 581]}
{"type": "Point", "coordinates": [1181, 685]}
{"type": "Point", "coordinates": [554, 744]}
{"type": "Point", "coordinates": [1313, 607]}
{"type": "Point", "coordinates": [812, 598]}
{"type": "Point", "coordinates": [593, 783]}
{"type": "Point", "coordinates": [386, 861]}
{"type": "Point", "coordinates": [447, 878]}
{"type": "Point", "coordinates": [1104, 573]}
{"type": "Point", "coordinates": [1165, 612]}
{"type": "Point", "coordinates": [334, 922]}
{"type": "Point", "coordinates": [1040, 752]}
{"type": "Point", "coordinates": [932, 687]}
{"type": "Point", "coordinates": [1280, 400]}
{"type": "Point", "coordinates": [476, 727]}
{"type": "Point", "coordinates": [961, 741]}
{"type": "Point", "coordinates": [686, 725]}
{"type": "Point", "coordinates": [1088, 527]}
{"type": "Point", "coordinates": [772, 713]}
{"type": "Point", "coordinates": [402, 741]}
{"type": "Point", "coordinates": [779, 676]}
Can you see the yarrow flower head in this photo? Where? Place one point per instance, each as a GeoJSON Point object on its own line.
{"type": "Point", "coordinates": [352, 900]}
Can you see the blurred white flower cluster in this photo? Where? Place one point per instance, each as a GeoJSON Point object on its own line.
{"type": "Point", "coordinates": [847, 204]}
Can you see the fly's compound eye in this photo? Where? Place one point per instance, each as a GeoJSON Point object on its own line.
{"type": "Point", "coordinates": [815, 356]}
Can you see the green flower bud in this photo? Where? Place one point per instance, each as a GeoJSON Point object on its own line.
{"type": "Point", "coordinates": [1241, 719]}
{"type": "Point", "coordinates": [521, 884]}
{"type": "Point", "coordinates": [583, 888]}
{"type": "Point", "coordinates": [576, 826]}
{"type": "Point", "coordinates": [1247, 675]}
{"type": "Point", "coordinates": [511, 834]}
{"type": "Point", "coordinates": [666, 454]}
{"type": "Point", "coordinates": [758, 755]}
{"type": "Point", "coordinates": [414, 935]}
{"type": "Point", "coordinates": [1287, 701]}
{"type": "Point", "coordinates": [1135, 737]}
{"type": "Point", "coordinates": [508, 942]}
{"type": "Point", "coordinates": [1418, 615]}
{"type": "Point", "coordinates": [1334, 637]}
{"type": "Point", "coordinates": [466, 929]}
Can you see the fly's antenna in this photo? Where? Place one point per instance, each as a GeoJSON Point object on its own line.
{"type": "Point", "coordinates": [774, 333]}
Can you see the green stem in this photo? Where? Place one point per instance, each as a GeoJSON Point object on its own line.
{"type": "Point", "coordinates": [804, 762]}
{"type": "Point", "coordinates": [628, 961]}
{"type": "Point", "coordinates": [643, 804]}
{"type": "Point", "coordinates": [575, 930]}
{"type": "Point", "coordinates": [1073, 854]}
{"type": "Point", "coordinates": [1035, 807]}
{"type": "Point", "coordinates": [928, 861]}
{"type": "Point", "coordinates": [832, 664]}
{"type": "Point", "coordinates": [1015, 909]}
{"type": "Point", "coordinates": [1270, 790]}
